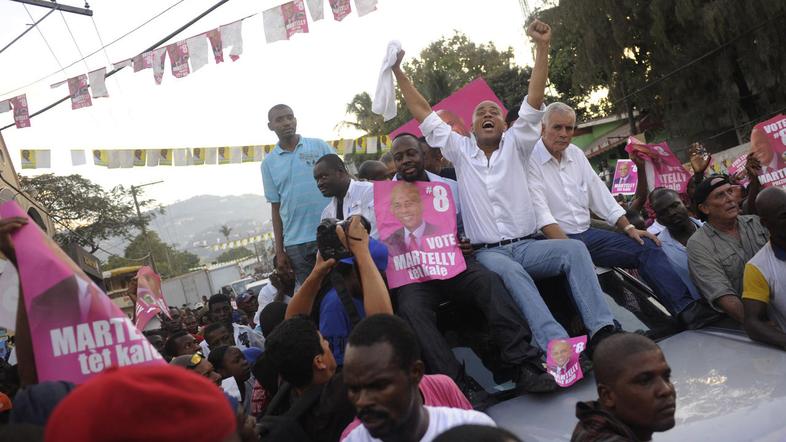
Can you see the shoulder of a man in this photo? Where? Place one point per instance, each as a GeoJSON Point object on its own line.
{"type": "Point", "coordinates": [440, 390]}
{"type": "Point", "coordinates": [446, 417]}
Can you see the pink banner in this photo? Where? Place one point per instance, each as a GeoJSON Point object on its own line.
{"type": "Point", "coordinates": [737, 169]}
{"type": "Point", "coordinates": [178, 57]}
{"type": "Point", "coordinates": [341, 9]}
{"type": "Point", "coordinates": [21, 114]}
{"type": "Point", "coordinates": [562, 360]}
{"type": "Point", "coordinates": [294, 14]}
{"type": "Point", "coordinates": [417, 221]}
{"type": "Point", "coordinates": [77, 331]}
{"type": "Point", "coordinates": [625, 178]}
{"type": "Point", "coordinates": [457, 109]}
{"type": "Point", "coordinates": [768, 145]}
{"type": "Point", "coordinates": [669, 172]}
{"type": "Point", "coordinates": [143, 61]}
{"type": "Point", "coordinates": [214, 37]}
{"type": "Point", "coordinates": [149, 298]}
{"type": "Point", "coordinates": [80, 94]}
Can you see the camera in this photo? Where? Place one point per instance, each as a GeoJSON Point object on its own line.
{"type": "Point", "coordinates": [328, 243]}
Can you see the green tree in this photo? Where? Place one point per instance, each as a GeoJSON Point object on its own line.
{"type": "Point", "coordinates": [225, 230]}
{"type": "Point", "coordinates": [233, 254]}
{"type": "Point", "coordinates": [169, 261]}
{"type": "Point", "coordinates": [704, 69]}
{"type": "Point", "coordinates": [440, 69]}
{"type": "Point", "coordinates": [92, 213]}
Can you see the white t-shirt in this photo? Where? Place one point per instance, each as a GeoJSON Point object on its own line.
{"type": "Point", "coordinates": [440, 420]}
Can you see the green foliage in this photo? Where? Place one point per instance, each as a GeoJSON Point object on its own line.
{"type": "Point", "coordinates": [86, 208]}
{"type": "Point", "coordinates": [233, 254]}
{"type": "Point", "coordinates": [441, 68]}
{"type": "Point", "coordinates": [225, 230]}
{"type": "Point", "coordinates": [169, 261]}
{"type": "Point", "coordinates": [625, 46]}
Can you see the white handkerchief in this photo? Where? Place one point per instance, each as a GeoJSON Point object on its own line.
{"type": "Point", "coordinates": [197, 50]}
{"type": "Point", "coordinates": [385, 97]}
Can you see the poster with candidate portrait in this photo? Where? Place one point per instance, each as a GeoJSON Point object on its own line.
{"type": "Point", "coordinates": [625, 178]}
{"type": "Point", "coordinates": [417, 222]}
{"type": "Point", "coordinates": [768, 145]}
{"type": "Point", "coordinates": [666, 167]}
{"type": "Point", "coordinates": [562, 360]}
{"type": "Point", "coordinates": [140, 157]}
{"type": "Point", "coordinates": [149, 298]}
{"type": "Point", "coordinates": [76, 329]}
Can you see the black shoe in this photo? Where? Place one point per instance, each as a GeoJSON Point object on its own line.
{"type": "Point", "coordinates": [698, 315]}
{"type": "Point", "coordinates": [599, 336]}
{"type": "Point", "coordinates": [477, 396]}
{"type": "Point", "coordinates": [585, 363]}
{"type": "Point", "coordinates": [535, 380]}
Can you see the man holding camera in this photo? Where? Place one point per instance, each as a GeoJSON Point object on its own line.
{"type": "Point", "coordinates": [348, 197]}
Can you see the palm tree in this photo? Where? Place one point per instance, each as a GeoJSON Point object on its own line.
{"type": "Point", "coordinates": [225, 230]}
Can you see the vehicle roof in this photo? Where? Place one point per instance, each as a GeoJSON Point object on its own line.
{"type": "Point", "coordinates": [256, 283]}
{"type": "Point", "coordinates": [728, 389]}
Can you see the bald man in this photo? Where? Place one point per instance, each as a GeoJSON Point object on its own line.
{"type": "Point", "coordinates": [627, 409]}
{"type": "Point", "coordinates": [373, 170]}
{"type": "Point", "coordinates": [764, 281]}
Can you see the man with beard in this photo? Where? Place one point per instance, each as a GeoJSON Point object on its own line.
{"type": "Point", "coordinates": [382, 371]}
{"type": "Point", "coordinates": [717, 253]}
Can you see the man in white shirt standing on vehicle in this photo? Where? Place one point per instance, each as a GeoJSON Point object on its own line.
{"type": "Point", "coordinates": [500, 217]}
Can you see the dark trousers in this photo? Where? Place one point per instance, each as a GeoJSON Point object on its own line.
{"type": "Point", "coordinates": [612, 249]}
{"type": "Point", "coordinates": [480, 289]}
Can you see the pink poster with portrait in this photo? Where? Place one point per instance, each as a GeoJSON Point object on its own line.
{"type": "Point", "coordinates": [79, 92]}
{"type": "Point", "coordinates": [178, 57]}
{"type": "Point", "coordinates": [562, 360]}
{"type": "Point", "coordinates": [294, 17]}
{"type": "Point", "coordinates": [76, 330]}
{"type": "Point", "coordinates": [668, 171]}
{"type": "Point", "coordinates": [737, 169]}
{"type": "Point", "coordinates": [417, 222]}
{"type": "Point", "coordinates": [149, 298]}
{"type": "Point", "coordinates": [625, 178]}
{"type": "Point", "coordinates": [768, 145]}
{"type": "Point", "coordinates": [340, 8]}
{"type": "Point", "coordinates": [21, 113]}
{"type": "Point", "coordinates": [456, 110]}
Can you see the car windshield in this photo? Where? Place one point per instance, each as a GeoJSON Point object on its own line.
{"type": "Point", "coordinates": [240, 286]}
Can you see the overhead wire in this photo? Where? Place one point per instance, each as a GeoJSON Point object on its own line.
{"type": "Point", "coordinates": [78, 49]}
{"type": "Point", "coordinates": [45, 40]}
{"type": "Point", "coordinates": [97, 50]}
{"type": "Point", "coordinates": [29, 28]}
{"type": "Point", "coordinates": [117, 69]}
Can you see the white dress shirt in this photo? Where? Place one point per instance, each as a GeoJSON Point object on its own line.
{"type": "Point", "coordinates": [571, 188]}
{"type": "Point", "coordinates": [359, 200]}
{"type": "Point", "coordinates": [495, 200]}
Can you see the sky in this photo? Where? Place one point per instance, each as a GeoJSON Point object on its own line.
{"type": "Point", "coordinates": [219, 105]}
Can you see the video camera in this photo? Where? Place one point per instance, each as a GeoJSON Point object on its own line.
{"type": "Point", "coordinates": [328, 242]}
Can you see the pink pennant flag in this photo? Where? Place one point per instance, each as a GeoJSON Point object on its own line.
{"type": "Point", "coordinates": [21, 114]}
{"type": "Point", "coordinates": [232, 36]}
{"type": "Point", "coordinates": [282, 22]}
{"type": "Point", "coordinates": [149, 298]}
{"type": "Point", "coordinates": [142, 61]}
{"type": "Point", "coordinates": [214, 37]}
{"type": "Point", "coordinates": [178, 57]}
{"type": "Point", "coordinates": [80, 94]}
{"type": "Point", "coordinates": [341, 9]}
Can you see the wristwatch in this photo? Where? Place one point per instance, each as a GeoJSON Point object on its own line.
{"type": "Point", "coordinates": [628, 228]}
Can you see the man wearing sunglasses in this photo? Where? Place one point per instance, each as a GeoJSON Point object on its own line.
{"type": "Point", "coordinates": [199, 364]}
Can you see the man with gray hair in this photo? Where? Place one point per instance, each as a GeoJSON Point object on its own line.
{"type": "Point", "coordinates": [561, 175]}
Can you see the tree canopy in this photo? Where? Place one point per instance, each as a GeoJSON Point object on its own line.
{"type": "Point", "coordinates": [91, 213]}
{"type": "Point", "coordinates": [233, 254]}
{"type": "Point", "coordinates": [704, 69]}
{"type": "Point", "coordinates": [440, 69]}
{"type": "Point", "coordinates": [169, 261]}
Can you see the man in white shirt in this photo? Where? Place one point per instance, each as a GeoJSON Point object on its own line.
{"type": "Point", "coordinates": [243, 337]}
{"type": "Point", "coordinates": [382, 371]}
{"type": "Point", "coordinates": [348, 197]}
{"type": "Point", "coordinates": [561, 175]}
{"type": "Point", "coordinates": [500, 217]}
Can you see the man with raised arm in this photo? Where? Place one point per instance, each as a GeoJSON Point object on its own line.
{"type": "Point", "coordinates": [500, 217]}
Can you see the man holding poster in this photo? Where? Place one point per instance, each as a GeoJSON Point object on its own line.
{"type": "Point", "coordinates": [477, 287]}
{"type": "Point", "coordinates": [500, 216]}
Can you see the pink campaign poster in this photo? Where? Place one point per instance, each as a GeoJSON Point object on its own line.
{"type": "Point", "coordinates": [178, 57]}
{"type": "Point", "coordinates": [149, 298]}
{"type": "Point", "coordinates": [76, 330]}
{"type": "Point", "coordinates": [294, 17]}
{"type": "Point", "coordinates": [737, 169]}
{"type": "Point", "coordinates": [216, 45]}
{"type": "Point", "coordinates": [562, 360]}
{"type": "Point", "coordinates": [667, 168]}
{"type": "Point", "coordinates": [80, 94]}
{"type": "Point", "coordinates": [456, 110]}
{"type": "Point", "coordinates": [768, 145]}
{"type": "Point", "coordinates": [341, 9]}
{"type": "Point", "coordinates": [417, 222]}
{"type": "Point", "coordinates": [625, 178]}
{"type": "Point", "coordinates": [21, 114]}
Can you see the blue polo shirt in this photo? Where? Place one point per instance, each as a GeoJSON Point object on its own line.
{"type": "Point", "coordinates": [288, 178]}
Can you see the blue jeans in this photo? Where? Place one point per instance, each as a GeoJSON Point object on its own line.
{"type": "Point", "coordinates": [519, 263]}
{"type": "Point", "coordinates": [303, 257]}
{"type": "Point", "coordinates": [612, 249]}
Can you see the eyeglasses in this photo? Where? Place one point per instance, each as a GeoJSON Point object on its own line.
{"type": "Point", "coordinates": [196, 359]}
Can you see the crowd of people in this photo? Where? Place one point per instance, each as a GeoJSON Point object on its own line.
{"type": "Point", "coordinates": [328, 352]}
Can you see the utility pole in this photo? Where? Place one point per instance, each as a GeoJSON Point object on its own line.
{"type": "Point", "coordinates": [58, 7]}
{"type": "Point", "coordinates": [134, 190]}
